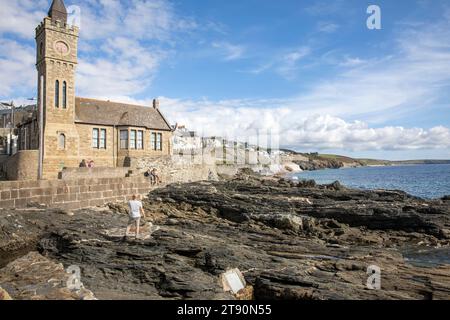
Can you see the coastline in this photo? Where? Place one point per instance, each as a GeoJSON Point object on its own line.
{"type": "Point", "coordinates": [426, 181]}
{"type": "Point", "coordinates": [290, 240]}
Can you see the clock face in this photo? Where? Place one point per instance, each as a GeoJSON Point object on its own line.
{"type": "Point", "coordinates": [62, 48]}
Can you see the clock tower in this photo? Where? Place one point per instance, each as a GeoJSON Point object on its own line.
{"type": "Point", "coordinates": [56, 62]}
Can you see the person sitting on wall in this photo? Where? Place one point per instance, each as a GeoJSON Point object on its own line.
{"type": "Point", "coordinates": [156, 178]}
{"type": "Point", "coordinates": [83, 164]}
{"type": "Point", "coordinates": [148, 174]}
{"type": "Point", "coordinates": [91, 164]}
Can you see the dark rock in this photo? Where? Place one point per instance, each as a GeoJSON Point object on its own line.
{"type": "Point", "coordinates": [307, 184]}
{"type": "Point", "coordinates": [336, 186]}
{"type": "Point", "coordinates": [233, 214]}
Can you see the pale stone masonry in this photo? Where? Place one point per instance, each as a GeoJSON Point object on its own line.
{"type": "Point", "coordinates": [71, 195]}
{"type": "Point", "coordinates": [76, 129]}
{"type": "Point", "coordinates": [89, 188]}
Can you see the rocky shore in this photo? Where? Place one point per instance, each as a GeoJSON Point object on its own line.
{"type": "Point", "coordinates": [290, 240]}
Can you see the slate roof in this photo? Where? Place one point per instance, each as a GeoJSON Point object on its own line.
{"type": "Point", "coordinates": [119, 114]}
{"type": "Point", "coordinates": [58, 11]}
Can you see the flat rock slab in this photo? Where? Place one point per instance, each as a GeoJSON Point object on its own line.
{"type": "Point", "coordinates": [34, 277]}
{"type": "Point", "coordinates": [145, 232]}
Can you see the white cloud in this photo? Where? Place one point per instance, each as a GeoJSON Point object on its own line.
{"type": "Point", "coordinates": [285, 63]}
{"type": "Point", "coordinates": [126, 43]}
{"type": "Point", "coordinates": [352, 62]}
{"type": "Point", "coordinates": [327, 132]}
{"type": "Point", "coordinates": [122, 44]}
{"type": "Point", "coordinates": [327, 27]}
{"type": "Point", "coordinates": [127, 68]}
{"type": "Point", "coordinates": [229, 51]}
{"type": "Point", "coordinates": [288, 65]}
{"type": "Point", "coordinates": [17, 70]}
{"type": "Point", "coordinates": [240, 119]}
{"type": "Point", "coordinates": [412, 78]}
{"type": "Point", "coordinates": [139, 19]}
{"type": "Point", "coordinates": [20, 17]}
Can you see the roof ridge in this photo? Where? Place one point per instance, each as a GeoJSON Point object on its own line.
{"type": "Point", "coordinates": [115, 102]}
{"type": "Point", "coordinates": [105, 112]}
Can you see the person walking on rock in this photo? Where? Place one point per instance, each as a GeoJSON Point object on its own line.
{"type": "Point", "coordinates": [136, 212]}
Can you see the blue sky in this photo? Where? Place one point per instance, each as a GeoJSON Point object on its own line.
{"type": "Point", "coordinates": [311, 72]}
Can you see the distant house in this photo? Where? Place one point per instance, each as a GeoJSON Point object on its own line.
{"type": "Point", "coordinates": [77, 128]}
{"type": "Point", "coordinates": [10, 117]}
{"type": "Point", "coordinates": [185, 140]}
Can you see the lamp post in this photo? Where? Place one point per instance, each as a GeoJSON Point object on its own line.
{"type": "Point", "coordinates": [41, 127]}
{"type": "Point", "coordinates": [13, 126]}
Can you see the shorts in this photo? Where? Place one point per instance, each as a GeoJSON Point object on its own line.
{"type": "Point", "coordinates": [133, 220]}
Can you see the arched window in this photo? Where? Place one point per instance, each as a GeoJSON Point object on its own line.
{"type": "Point", "coordinates": [64, 95]}
{"type": "Point", "coordinates": [41, 49]}
{"type": "Point", "coordinates": [57, 93]}
{"type": "Point", "coordinates": [62, 141]}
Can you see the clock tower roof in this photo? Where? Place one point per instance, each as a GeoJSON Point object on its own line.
{"type": "Point", "coordinates": [58, 11]}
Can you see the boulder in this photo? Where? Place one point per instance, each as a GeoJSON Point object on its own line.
{"type": "Point", "coordinates": [307, 184]}
{"type": "Point", "coordinates": [284, 222]}
{"type": "Point", "coordinates": [4, 295]}
{"type": "Point", "coordinates": [336, 186]}
{"type": "Point", "coordinates": [292, 167]}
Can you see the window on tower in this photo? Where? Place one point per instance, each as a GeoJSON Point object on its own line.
{"type": "Point", "coordinates": [62, 141]}
{"type": "Point", "coordinates": [57, 93]}
{"type": "Point", "coordinates": [64, 95]}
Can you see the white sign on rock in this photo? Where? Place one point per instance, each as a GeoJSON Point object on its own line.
{"type": "Point", "coordinates": [233, 281]}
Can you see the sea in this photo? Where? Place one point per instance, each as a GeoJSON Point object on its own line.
{"type": "Point", "coordinates": [430, 181]}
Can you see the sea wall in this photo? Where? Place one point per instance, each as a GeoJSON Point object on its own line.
{"type": "Point", "coordinates": [178, 168]}
{"type": "Point", "coordinates": [89, 190]}
{"type": "Point", "coordinates": [86, 173]}
{"type": "Point", "coordinates": [70, 194]}
{"type": "Point", "coordinates": [22, 166]}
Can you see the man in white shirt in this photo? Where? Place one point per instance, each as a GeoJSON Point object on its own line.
{"type": "Point", "coordinates": [136, 209]}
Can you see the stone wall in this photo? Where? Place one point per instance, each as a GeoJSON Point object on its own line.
{"type": "Point", "coordinates": [87, 173]}
{"type": "Point", "coordinates": [79, 193]}
{"type": "Point", "coordinates": [22, 166]}
{"type": "Point", "coordinates": [71, 194]}
{"type": "Point", "coordinates": [177, 168]}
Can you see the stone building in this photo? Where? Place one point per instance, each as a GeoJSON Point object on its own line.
{"type": "Point", "coordinates": [10, 117]}
{"type": "Point", "coordinates": [109, 133]}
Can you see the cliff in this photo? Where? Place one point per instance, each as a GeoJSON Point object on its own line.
{"type": "Point", "coordinates": [315, 161]}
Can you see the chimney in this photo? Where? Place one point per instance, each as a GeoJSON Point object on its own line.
{"type": "Point", "coordinates": [156, 104]}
